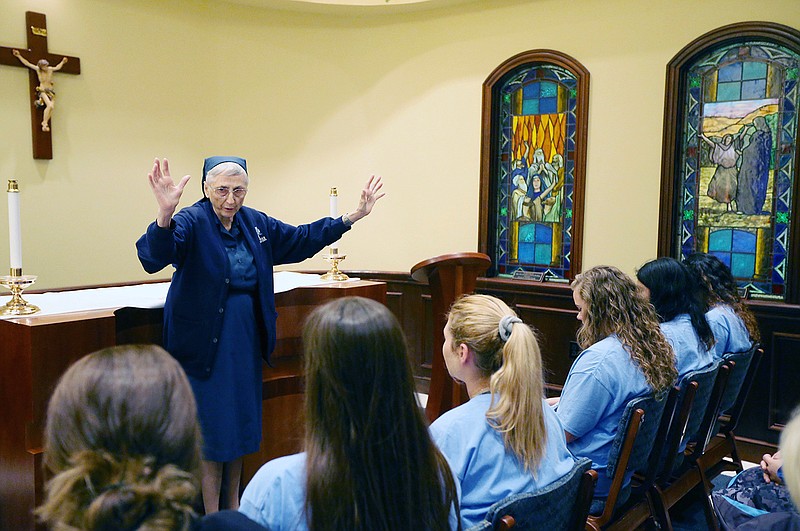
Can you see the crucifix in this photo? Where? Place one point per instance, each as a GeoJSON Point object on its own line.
{"type": "Point", "coordinates": [42, 65]}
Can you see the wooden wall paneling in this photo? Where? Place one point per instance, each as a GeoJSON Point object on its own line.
{"type": "Point", "coordinates": [395, 302]}
{"type": "Point", "coordinates": [427, 353]}
{"type": "Point", "coordinates": [411, 304]}
{"type": "Point", "coordinates": [767, 405]}
{"type": "Point", "coordinates": [785, 366]}
{"type": "Point", "coordinates": [555, 329]}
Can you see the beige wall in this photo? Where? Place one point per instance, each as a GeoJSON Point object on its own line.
{"type": "Point", "coordinates": [320, 99]}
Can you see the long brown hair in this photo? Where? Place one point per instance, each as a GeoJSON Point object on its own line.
{"type": "Point", "coordinates": [122, 442]}
{"type": "Point", "coordinates": [614, 305]}
{"type": "Point", "coordinates": [371, 463]}
{"type": "Point", "coordinates": [514, 368]}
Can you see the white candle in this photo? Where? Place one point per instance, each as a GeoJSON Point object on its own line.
{"type": "Point", "coordinates": [334, 214]}
{"type": "Point", "coordinates": [334, 203]}
{"type": "Point", "coordinates": [14, 232]}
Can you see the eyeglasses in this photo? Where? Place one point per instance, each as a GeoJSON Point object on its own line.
{"type": "Point", "coordinates": [223, 191]}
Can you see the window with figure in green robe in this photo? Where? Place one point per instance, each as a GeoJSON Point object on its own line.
{"type": "Point", "coordinates": [737, 162]}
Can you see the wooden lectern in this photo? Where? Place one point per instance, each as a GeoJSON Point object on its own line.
{"type": "Point", "coordinates": [449, 276]}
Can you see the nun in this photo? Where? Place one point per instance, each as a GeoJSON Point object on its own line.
{"type": "Point", "coordinates": [219, 316]}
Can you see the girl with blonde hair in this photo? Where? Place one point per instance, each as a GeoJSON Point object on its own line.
{"type": "Point", "coordinates": [625, 356]}
{"type": "Point", "coordinates": [505, 440]}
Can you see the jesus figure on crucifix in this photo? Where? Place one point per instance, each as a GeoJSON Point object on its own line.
{"type": "Point", "coordinates": [47, 94]}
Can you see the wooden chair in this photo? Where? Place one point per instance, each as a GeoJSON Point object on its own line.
{"type": "Point", "coordinates": [562, 505]}
{"type": "Point", "coordinates": [708, 460]}
{"type": "Point", "coordinates": [696, 413]}
{"type": "Point", "coordinates": [637, 509]}
{"type": "Point", "coordinates": [633, 446]}
{"type": "Point", "coordinates": [744, 366]}
{"type": "Point", "coordinates": [691, 410]}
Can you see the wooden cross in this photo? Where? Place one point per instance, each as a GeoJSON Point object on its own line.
{"type": "Point", "coordinates": [37, 50]}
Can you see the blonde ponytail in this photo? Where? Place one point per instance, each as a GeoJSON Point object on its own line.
{"type": "Point", "coordinates": [514, 368]}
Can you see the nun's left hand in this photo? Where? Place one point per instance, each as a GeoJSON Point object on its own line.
{"type": "Point", "coordinates": [369, 196]}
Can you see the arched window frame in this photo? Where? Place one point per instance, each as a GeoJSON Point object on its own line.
{"type": "Point", "coordinates": [675, 126]}
{"type": "Point", "coordinates": [489, 182]}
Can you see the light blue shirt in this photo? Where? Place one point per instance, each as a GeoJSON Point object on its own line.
{"type": "Point", "coordinates": [601, 382]}
{"type": "Point", "coordinates": [486, 471]}
{"type": "Point", "coordinates": [729, 331]}
{"type": "Point", "coordinates": [691, 353]}
{"type": "Point", "coordinates": [275, 497]}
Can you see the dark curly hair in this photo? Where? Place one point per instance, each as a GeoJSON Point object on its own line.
{"type": "Point", "coordinates": [718, 286]}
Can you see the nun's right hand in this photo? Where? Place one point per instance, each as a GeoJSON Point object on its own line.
{"type": "Point", "coordinates": [167, 193]}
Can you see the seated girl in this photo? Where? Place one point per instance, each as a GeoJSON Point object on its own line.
{"type": "Point", "coordinates": [673, 293]}
{"type": "Point", "coordinates": [122, 442]}
{"type": "Point", "coordinates": [733, 324]}
{"type": "Point", "coordinates": [505, 440]}
{"type": "Point", "coordinates": [369, 462]}
{"type": "Point", "coordinates": [626, 356]}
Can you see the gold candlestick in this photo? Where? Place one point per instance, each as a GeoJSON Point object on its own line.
{"type": "Point", "coordinates": [334, 273]}
{"type": "Point", "coordinates": [17, 282]}
{"type": "Point", "coordinates": [333, 256]}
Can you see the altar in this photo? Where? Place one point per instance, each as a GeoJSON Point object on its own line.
{"type": "Point", "coordinates": [37, 349]}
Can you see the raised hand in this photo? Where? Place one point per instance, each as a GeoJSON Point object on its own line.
{"type": "Point", "coordinates": [369, 196]}
{"type": "Point", "coordinates": [167, 193]}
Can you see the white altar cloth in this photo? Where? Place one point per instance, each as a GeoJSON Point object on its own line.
{"type": "Point", "coordinates": [136, 296]}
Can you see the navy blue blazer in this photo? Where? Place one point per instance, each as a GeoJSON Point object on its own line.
{"type": "Point", "coordinates": [196, 298]}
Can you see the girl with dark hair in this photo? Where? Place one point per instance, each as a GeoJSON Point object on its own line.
{"type": "Point", "coordinates": [369, 462]}
{"type": "Point", "coordinates": [122, 443]}
{"type": "Point", "coordinates": [674, 295]}
{"type": "Point", "coordinates": [626, 356]}
{"type": "Point", "coordinates": [733, 324]}
{"type": "Point", "coordinates": [505, 440]}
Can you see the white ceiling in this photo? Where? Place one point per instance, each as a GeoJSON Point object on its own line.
{"type": "Point", "coordinates": [348, 6]}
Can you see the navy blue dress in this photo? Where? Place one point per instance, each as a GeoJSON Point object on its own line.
{"type": "Point", "coordinates": [229, 401]}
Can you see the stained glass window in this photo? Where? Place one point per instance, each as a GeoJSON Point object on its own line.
{"type": "Point", "coordinates": [736, 170]}
{"type": "Point", "coordinates": [536, 154]}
